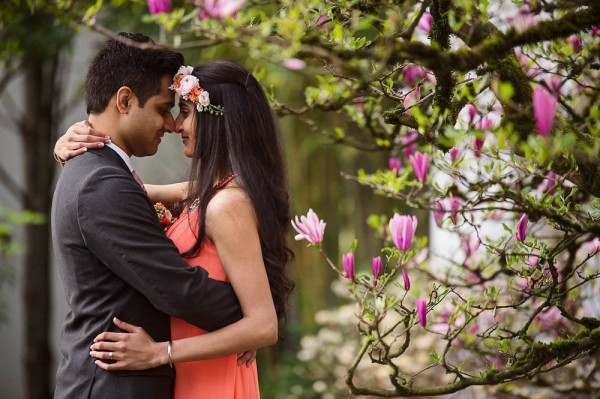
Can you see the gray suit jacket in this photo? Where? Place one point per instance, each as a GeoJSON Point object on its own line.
{"type": "Point", "coordinates": [115, 260]}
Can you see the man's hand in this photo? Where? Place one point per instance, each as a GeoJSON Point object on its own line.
{"type": "Point", "coordinates": [247, 357]}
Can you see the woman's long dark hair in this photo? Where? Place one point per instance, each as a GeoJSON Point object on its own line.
{"type": "Point", "coordinates": [244, 141]}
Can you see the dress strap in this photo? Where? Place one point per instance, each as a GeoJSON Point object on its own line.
{"type": "Point", "coordinates": [224, 182]}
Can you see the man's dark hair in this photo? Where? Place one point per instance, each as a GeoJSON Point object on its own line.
{"type": "Point", "coordinates": [119, 64]}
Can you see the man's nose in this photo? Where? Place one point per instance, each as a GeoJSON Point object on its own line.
{"type": "Point", "coordinates": [169, 124]}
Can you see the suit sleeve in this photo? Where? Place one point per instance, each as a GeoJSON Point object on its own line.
{"type": "Point", "coordinates": [120, 227]}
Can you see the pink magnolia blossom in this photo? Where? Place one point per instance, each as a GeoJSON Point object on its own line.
{"type": "Point", "coordinates": [532, 260]}
{"type": "Point", "coordinates": [156, 6]}
{"type": "Point", "coordinates": [411, 99]}
{"type": "Point", "coordinates": [477, 146]}
{"type": "Point", "coordinates": [594, 246]}
{"type": "Point", "coordinates": [550, 320]}
{"type": "Point", "coordinates": [412, 73]}
{"type": "Point", "coordinates": [220, 9]}
{"type": "Point", "coordinates": [449, 204]}
{"type": "Point", "coordinates": [421, 305]}
{"type": "Point", "coordinates": [555, 84]}
{"type": "Point", "coordinates": [395, 165]}
{"type": "Point", "coordinates": [348, 262]}
{"type": "Point", "coordinates": [549, 185]}
{"type": "Point", "coordinates": [439, 212]}
{"type": "Point", "coordinates": [485, 123]}
{"type": "Point", "coordinates": [425, 22]}
{"type": "Point", "coordinates": [471, 112]}
{"type": "Point", "coordinates": [406, 279]}
{"type": "Point", "coordinates": [420, 164]}
{"type": "Point", "coordinates": [470, 246]}
{"type": "Point", "coordinates": [294, 64]}
{"type": "Point", "coordinates": [376, 266]}
{"type": "Point", "coordinates": [596, 30]}
{"type": "Point", "coordinates": [309, 228]}
{"type": "Point", "coordinates": [521, 233]}
{"type": "Point", "coordinates": [322, 21]}
{"type": "Point", "coordinates": [403, 230]}
{"type": "Point", "coordinates": [523, 20]}
{"type": "Point", "coordinates": [454, 152]}
{"type": "Point", "coordinates": [453, 205]}
{"type": "Point", "coordinates": [544, 108]}
{"type": "Point", "coordinates": [575, 42]}
{"type": "Point", "coordinates": [406, 141]}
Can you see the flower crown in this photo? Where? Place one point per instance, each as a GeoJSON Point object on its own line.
{"type": "Point", "coordinates": [187, 86]}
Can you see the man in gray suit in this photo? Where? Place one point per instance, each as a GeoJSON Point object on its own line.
{"type": "Point", "coordinates": [113, 256]}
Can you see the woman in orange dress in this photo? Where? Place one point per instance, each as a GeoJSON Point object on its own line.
{"type": "Point", "coordinates": [233, 224]}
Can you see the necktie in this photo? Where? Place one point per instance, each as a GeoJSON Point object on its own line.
{"type": "Point", "coordinates": [138, 180]}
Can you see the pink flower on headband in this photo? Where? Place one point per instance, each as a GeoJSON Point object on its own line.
{"type": "Point", "coordinates": [188, 88]}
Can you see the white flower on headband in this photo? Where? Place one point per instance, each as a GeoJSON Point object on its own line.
{"type": "Point", "coordinates": [187, 87]}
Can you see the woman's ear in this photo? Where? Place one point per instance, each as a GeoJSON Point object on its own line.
{"type": "Point", "coordinates": [124, 98]}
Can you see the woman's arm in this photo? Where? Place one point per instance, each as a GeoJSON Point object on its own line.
{"type": "Point", "coordinates": [77, 139]}
{"type": "Point", "coordinates": [168, 194]}
{"type": "Point", "coordinates": [232, 226]}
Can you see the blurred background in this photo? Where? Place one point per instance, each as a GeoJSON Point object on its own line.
{"type": "Point", "coordinates": [45, 60]}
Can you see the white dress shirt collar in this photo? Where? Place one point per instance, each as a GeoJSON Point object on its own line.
{"type": "Point", "coordinates": [122, 154]}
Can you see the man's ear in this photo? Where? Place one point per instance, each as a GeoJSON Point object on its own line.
{"type": "Point", "coordinates": [124, 99]}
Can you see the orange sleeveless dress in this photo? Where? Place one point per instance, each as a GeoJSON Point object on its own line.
{"type": "Point", "coordinates": [219, 378]}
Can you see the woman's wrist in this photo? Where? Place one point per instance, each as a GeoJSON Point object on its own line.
{"type": "Point", "coordinates": [161, 353]}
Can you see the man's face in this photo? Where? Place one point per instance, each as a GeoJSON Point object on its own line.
{"type": "Point", "coordinates": [146, 125]}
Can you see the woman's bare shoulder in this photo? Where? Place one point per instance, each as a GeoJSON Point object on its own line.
{"type": "Point", "coordinates": [229, 208]}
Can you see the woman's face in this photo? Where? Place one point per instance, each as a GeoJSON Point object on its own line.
{"type": "Point", "coordinates": [186, 126]}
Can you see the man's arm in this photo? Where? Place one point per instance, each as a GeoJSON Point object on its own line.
{"type": "Point", "coordinates": [121, 229]}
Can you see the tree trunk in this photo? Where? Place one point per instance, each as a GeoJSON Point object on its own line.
{"type": "Point", "coordinates": [38, 127]}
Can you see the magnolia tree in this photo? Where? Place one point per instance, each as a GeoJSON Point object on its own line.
{"type": "Point", "coordinates": [488, 113]}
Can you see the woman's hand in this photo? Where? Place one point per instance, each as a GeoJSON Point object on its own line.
{"type": "Point", "coordinates": [78, 138]}
{"type": "Point", "coordinates": [132, 350]}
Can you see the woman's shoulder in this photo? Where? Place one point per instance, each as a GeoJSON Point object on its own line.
{"type": "Point", "coordinates": [230, 206]}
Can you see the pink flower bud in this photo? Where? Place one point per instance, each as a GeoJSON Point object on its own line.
{"type": "Point", "coordinates": [594, 246]}
{"type": "Point", "coordinates": [472, 112]}
{"type": "Point", "coordinates": [220, 9]}
{"type": "Point", "coordinates": [309, 228]}
{"type": "Point", "coordinates": [348, 262]}
{"type": "Point", "coordinates": [406, 279]}
{"type": "Point", "coordinates": [395, 165]}
{"type": "Point", "coordinates": [477, 146]}
{"type": "Point", "coordinates": [485, 123]}
{"type": "Point", "coordinates": [550, 183]}
{"type": "Point", "coordinates": [575, 42]}
{"type": "Point", "coordinates": [425, 22]}
{"type": "Point", "coordinates": [544, 108]}
{"type": "Point", "coordinates": [521, 233]}
{"type": "Point", "coordinates": [412, 73]}
{"type": "Point", "coordinates": [523, 20]}
{"type": "Point", "coordinates": [412, 135]}
{"type": "Point", "coordinates": [403, 230]}
{"type": "Point", "coordinates": [156, 6]}
{"type": "Point", "coordinates": [294, 64]}
{"type": "Point", "coordinates": [421, 305]}
{"type": "Point", "coordinates": [376, 265]}
{"type": "Point", "coordinates": [420, 164]}
{"type": "Point", "coordinates": [454, 152]}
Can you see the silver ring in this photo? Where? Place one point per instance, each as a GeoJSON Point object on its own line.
{"type": "Point", "coordinates": [110, 354]}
